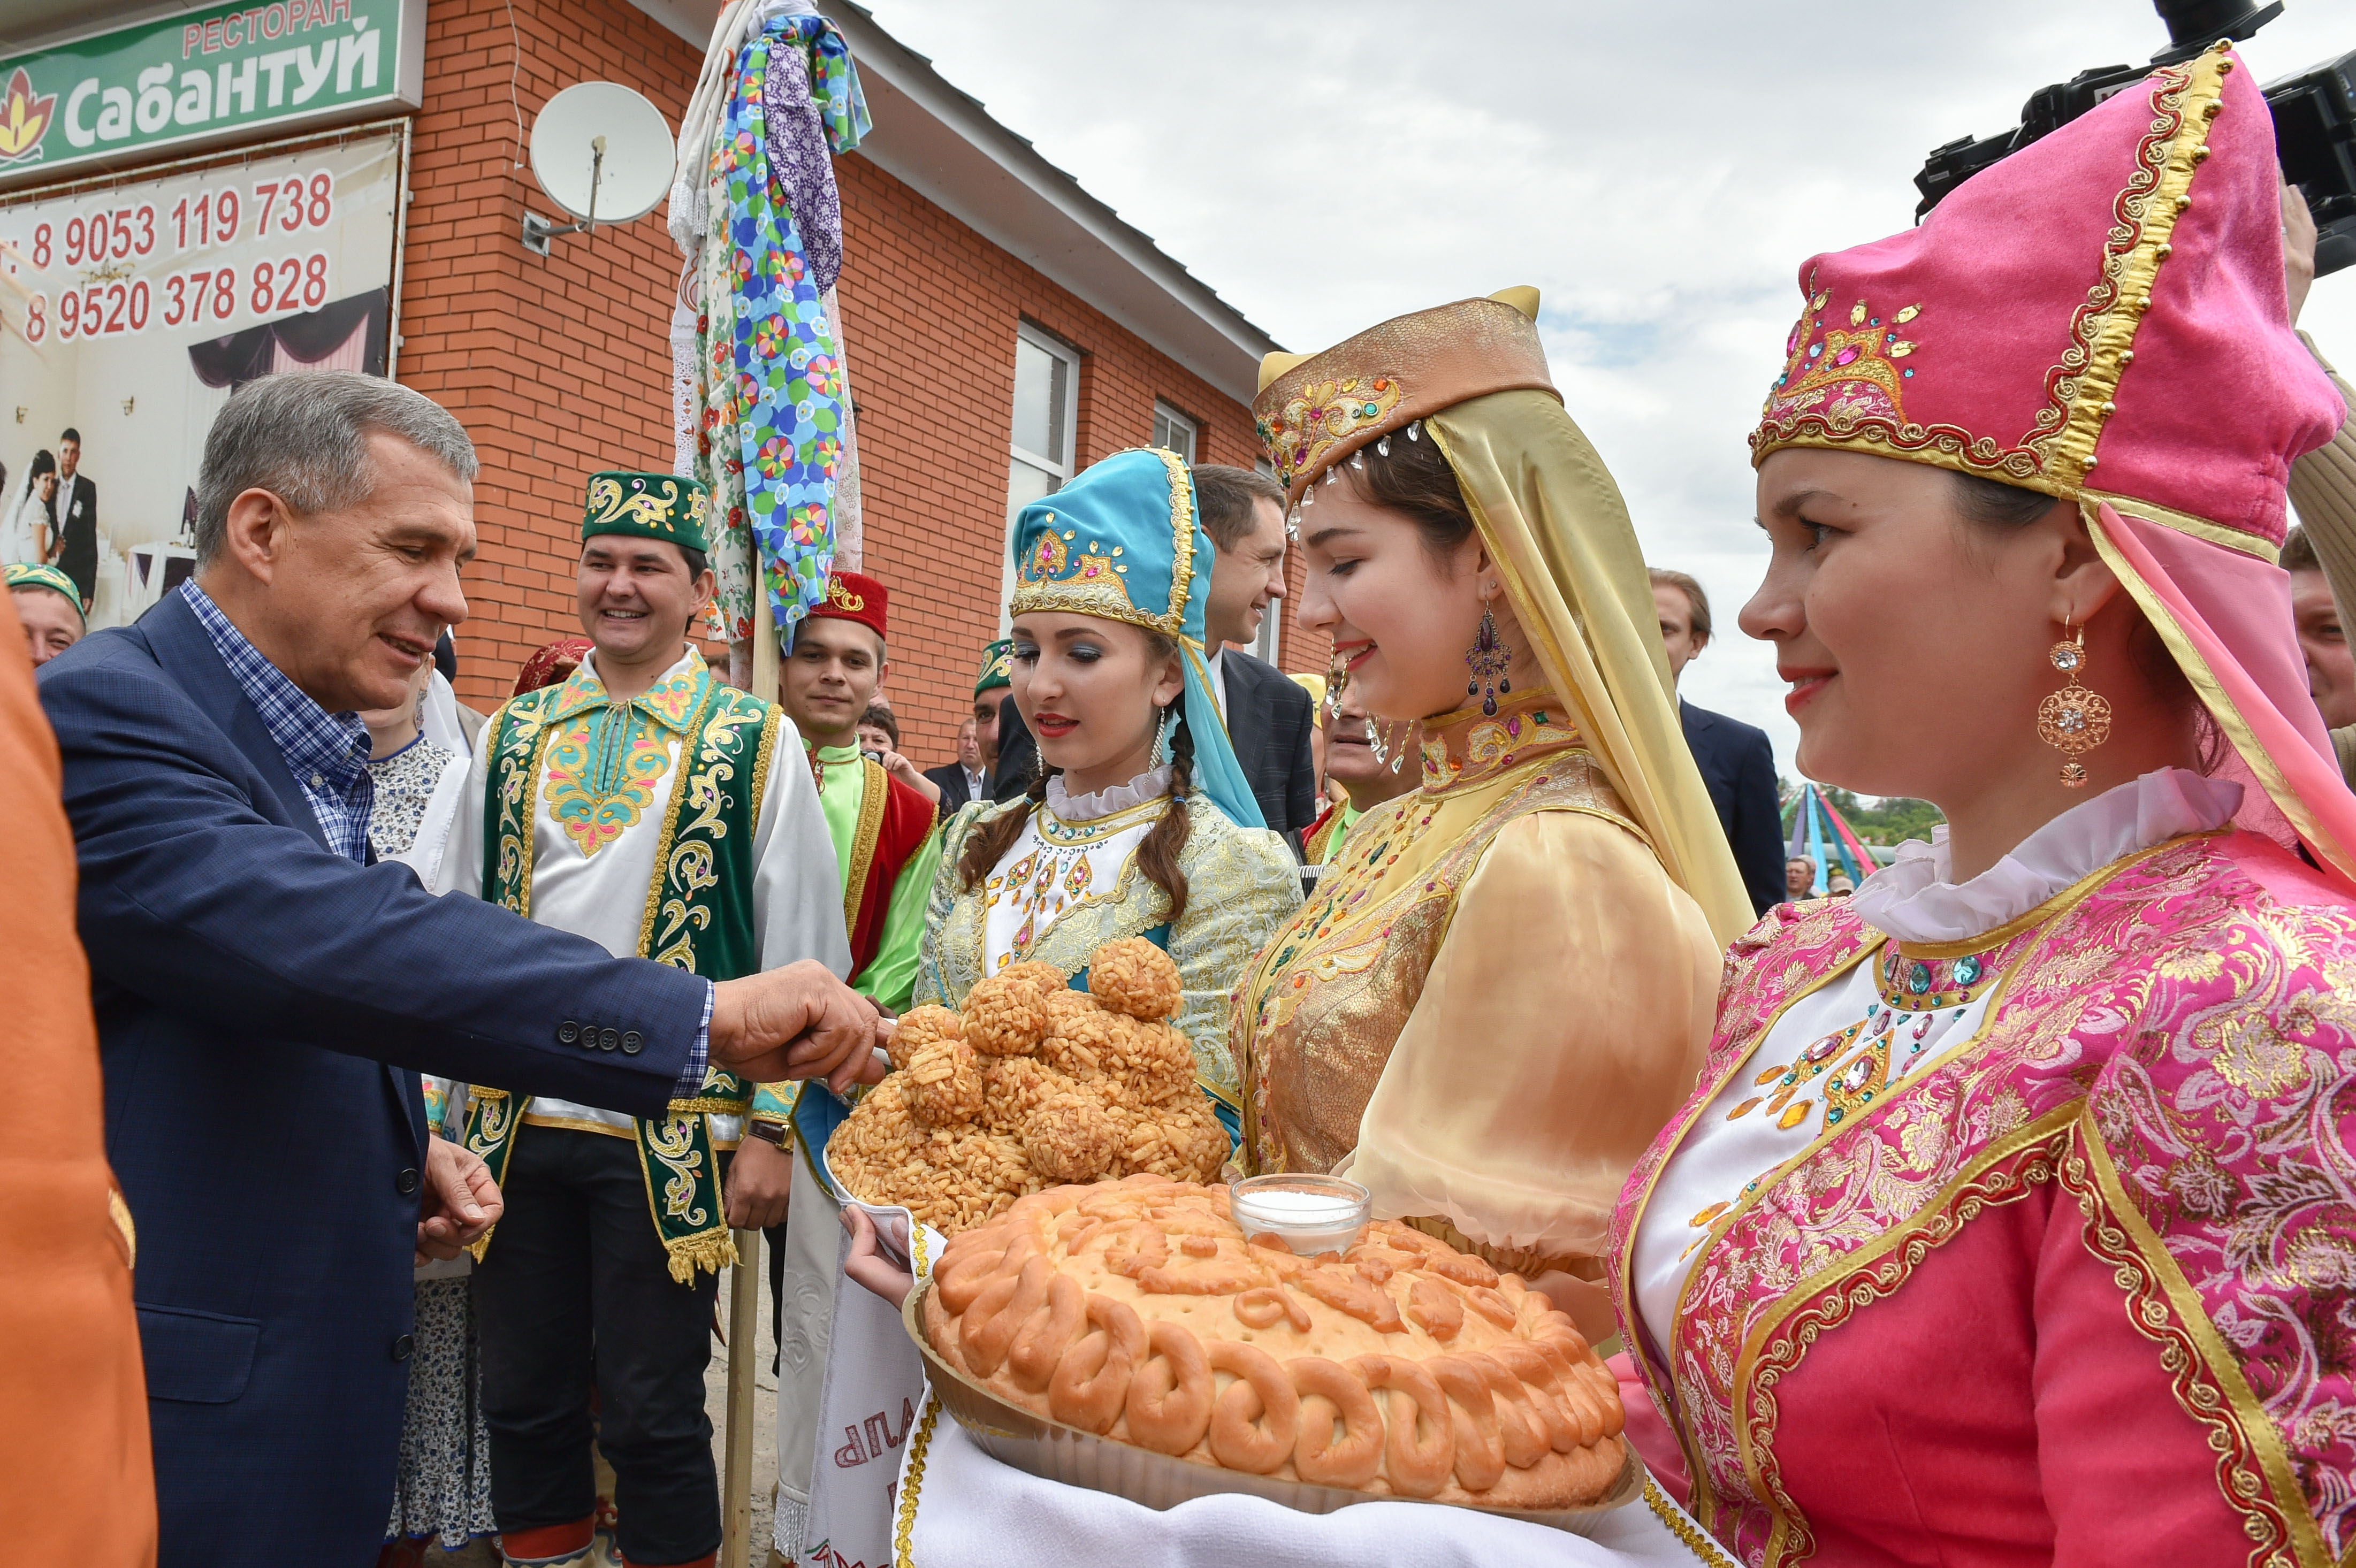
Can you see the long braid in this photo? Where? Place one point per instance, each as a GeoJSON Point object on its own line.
{"type": "Point", "coordinates": [1158, 851]}
{"type": "Point", "coordinates": [994, 837]}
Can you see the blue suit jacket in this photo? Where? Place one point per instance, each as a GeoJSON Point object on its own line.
{"type": "Point", "coordinates": [1738, 766]}
{"type": "Point", "coordinates": [264, 1005]}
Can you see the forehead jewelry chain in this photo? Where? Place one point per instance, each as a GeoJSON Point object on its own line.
{"type": "Point", "coordinates": [2073, 719]}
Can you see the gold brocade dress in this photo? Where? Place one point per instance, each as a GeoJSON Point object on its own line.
{"type": "Point", "coordinates": [1494, 1001]}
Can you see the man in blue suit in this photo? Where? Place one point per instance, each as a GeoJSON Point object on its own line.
{"type": "Point", "coordinates": [1737, 763]}
{"type": "Point", "coordinates": [266, 995]}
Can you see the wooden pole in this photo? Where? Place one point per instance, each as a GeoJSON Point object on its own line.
{"type": "Point", "coordinates": [736, 1545]}
{"type": "Point", "coordinates": [765, 643]}
{"type": "Point", "coordinates": [744, 1285]}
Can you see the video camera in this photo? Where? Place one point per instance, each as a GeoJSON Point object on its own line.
{"type": "Point", "coordinates": [2314, 111]}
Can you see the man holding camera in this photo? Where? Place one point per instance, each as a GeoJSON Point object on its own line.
{"type": "Point", "coordinates": [645, 805]}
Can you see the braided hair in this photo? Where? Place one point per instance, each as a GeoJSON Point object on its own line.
{"type": "Point", "coordinates": [1157, 854]}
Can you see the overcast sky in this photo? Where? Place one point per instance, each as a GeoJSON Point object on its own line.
{"type": "Point", "coordinates": [1659, 170]}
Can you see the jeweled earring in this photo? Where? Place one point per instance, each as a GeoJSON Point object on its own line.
{"type": "Point", "coordinates": [1399, 752]}
{"type": "Point", "coordinates": [2072, 720]}
{"type": "Point", "coordinates": [1337, 681]}
{"type": "Point", "coordinates": [1376, 743]}
{"type": "Point", "coordinates": [1161, 737]}
{"type": "Point", "coordinates": [1488, 659]}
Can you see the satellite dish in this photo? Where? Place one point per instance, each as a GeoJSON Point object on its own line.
{"type": "Point", "coordinates": [603, 153]}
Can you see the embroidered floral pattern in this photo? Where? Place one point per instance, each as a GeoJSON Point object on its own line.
{"type": "Point", "coordinates": [606, 758]}
{"type": "Point", "coordinates": [1820, 401]}
{"type": "Point", "coordinates": [1298, 435]}
{"type": "Point", "coordinates": [1851, 372]}
{"type": "Point", "coordinates": [1468, 746]}
{"type": "Point", "coordinates": [2190, 1027]}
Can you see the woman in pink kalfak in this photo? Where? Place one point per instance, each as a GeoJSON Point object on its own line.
{"type": "Point", "coordinates": [2014, 1218]}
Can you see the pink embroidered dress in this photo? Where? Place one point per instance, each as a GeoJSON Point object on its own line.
{"type": "Point", "coordinates": [2014, 1221]}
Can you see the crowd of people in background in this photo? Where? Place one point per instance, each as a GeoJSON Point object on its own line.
{"type": "Point", "coordinates": [447, 1054]}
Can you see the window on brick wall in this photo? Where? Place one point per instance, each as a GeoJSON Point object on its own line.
{"type": "Point", "coordinates": [1272, 626]}
{"type": "Point", "coordinates": [1046, 408]}
{"type": "Point", "coordinates": [1175, 430]}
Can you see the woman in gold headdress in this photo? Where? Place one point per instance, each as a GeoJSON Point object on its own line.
{"type": "Point", "coordinates": [1503, 985]}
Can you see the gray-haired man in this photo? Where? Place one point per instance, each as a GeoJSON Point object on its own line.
{"type": "Point", "coordinates": [265, 994]}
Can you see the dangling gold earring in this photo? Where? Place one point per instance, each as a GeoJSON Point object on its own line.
{"type": "Point", "coordinates": [2072, 720]}
{"type": "Point", "coordinates": [1337, 681]}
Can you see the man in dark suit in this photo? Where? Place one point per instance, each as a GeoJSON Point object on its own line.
{"type": "Point", "coordinates": [77, 510]}
{"type": "Point", "coordinates": [1270, 718]}
{"type": "Point", "coordinates": [1737, 763]}
{"type": "Point", "coordinates": [266, 993]}
{"type": "Point", "coordinates": [963, 780]}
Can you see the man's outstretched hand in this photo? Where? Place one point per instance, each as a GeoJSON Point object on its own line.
{"type": "Point", "coordinates": [797, 1022]}
{"type": "Point", "coordinates": [459, 1201]}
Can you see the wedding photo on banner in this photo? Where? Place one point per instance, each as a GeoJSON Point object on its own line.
{"type": "Point", "coordinates": [137, 307]}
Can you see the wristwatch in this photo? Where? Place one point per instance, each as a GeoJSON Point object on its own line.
{"type": "Point", "coordinates": [768, 1132]}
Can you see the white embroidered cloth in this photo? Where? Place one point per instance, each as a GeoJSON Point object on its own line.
{"type": "Point", "coordinates": [971, 1511]}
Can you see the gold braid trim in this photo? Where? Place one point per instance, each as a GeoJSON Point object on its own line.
{"type": "Point", "coordinates": [2004, 1172]}
{"type": "Point", "coordinates": [2253, 1467]}
{"type": "Point", "coordinates": [2192, 94]}
{"type": "Point", "coordinates": [2183, 523]}
{"type": "Point", "coordinates": [903, 1530]}
{"type": "Point", "coordinates": [1691, 1536]}
{"type": "Point", "coordinates": [875, 792]}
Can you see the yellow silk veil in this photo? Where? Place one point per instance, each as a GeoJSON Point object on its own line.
{"type": "Point", "coordinates": [1475, 375]}
{"type": "Point", "coordinates": [1555, 523]}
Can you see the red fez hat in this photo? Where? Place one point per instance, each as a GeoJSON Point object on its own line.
{"type": "Point", "coordinates": [854, 596]}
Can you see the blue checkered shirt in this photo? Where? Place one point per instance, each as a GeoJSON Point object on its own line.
{"type": "Point", "coordinates": [328, 752]}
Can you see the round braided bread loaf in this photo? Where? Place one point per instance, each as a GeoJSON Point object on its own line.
{"type": "Point", "coordinates": [1139, 1310]}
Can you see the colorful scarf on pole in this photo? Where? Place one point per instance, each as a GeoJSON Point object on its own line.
{"type": "Point", "coordinates": [775, 416]}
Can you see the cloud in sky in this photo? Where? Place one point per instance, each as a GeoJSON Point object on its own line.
{"type": "Point", "coordinates": [1658, 170]}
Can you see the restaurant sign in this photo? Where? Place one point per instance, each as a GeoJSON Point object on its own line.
{"type": "Point", "coordinates": [204, 77]}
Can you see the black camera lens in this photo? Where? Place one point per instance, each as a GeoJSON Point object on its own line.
{"type": "Point", "coordinates": [2193, 24]}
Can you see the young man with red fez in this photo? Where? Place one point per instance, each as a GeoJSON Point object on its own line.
{"type": "Point", "coordinates": [882, 828]}
{"type": "Point", "coordinates": [641, 803]}
{"type": "Point", "coordinates": [887, 843]}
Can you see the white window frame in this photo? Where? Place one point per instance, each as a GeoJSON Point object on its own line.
{"type": "Point", "coordinates": [1063, 466]}
{"type": "Point", "coordinates": [1168, 421]}
{"type": "Point", "coordinates": [1059, 468]}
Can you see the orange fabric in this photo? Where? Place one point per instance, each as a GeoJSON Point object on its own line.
{"type": "Point", "coordinates": [77, 1476]}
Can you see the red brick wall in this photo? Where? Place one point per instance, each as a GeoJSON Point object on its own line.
{"type": "Point", "coordinates": [561, 367]}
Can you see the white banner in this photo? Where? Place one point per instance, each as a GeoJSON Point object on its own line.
{"type": "Point", "coordinates": [152, 300]}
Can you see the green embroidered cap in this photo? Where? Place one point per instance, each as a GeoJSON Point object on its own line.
{"type": "Point", "coordinates": [652, 506]}
{"type": "Point", "coordinates": [995, 659]}
{"type": "Point", "coordinates": [23, 574]}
